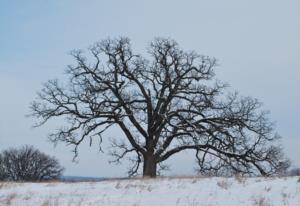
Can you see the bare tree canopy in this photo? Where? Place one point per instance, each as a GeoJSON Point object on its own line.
{"type": "Point", "coordinates": [28, 164]}
{"type": "Point", "coordinates": [164, 105]}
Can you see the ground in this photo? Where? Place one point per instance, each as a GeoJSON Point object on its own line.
{"type": "Point", "coordinates": [180, 191]}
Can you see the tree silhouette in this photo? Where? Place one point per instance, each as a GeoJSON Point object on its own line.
{"type": "Point", "coordinates": [28, 164]}
{"type": "Point", "coordinates": [164, 105]}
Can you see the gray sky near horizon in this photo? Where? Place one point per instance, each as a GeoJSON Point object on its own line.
{"type": "Point", "coordinates": [256, 43]}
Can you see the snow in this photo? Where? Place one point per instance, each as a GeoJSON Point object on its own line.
{"type": "Point", "coordinates": [155, 192]}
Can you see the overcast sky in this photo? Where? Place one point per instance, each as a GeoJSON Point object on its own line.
{"type": "Point", "coordinates": [256, 42]}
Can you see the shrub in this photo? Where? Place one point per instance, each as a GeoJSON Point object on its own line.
{"type": "Point", "coordinates": [28, 164]}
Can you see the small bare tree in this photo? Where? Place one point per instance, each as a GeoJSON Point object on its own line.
{"type": "Point", "coordinates": [164, 105]}
{"type": "Point", "coordinates": [28, 164]}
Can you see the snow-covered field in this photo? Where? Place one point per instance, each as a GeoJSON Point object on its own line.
{"type": "Point", "coordinates": [161, 191]}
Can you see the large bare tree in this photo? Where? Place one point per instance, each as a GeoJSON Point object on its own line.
{"type": "Point", "coordinates": [165, 104]}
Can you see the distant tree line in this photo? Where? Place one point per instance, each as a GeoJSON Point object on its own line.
{"type": "Point", "coordinates": [294, 172]}
{"type": "Point", "coordinates": [28, 164]}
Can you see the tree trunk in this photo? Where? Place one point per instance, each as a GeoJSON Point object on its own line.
{"type": "Point", "coordinates": [149, 169]}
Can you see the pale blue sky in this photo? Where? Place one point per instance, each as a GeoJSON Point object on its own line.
{"type": "Point", "coordinates": [256, 42]}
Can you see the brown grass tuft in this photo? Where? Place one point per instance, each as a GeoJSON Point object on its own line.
{"type": "Point", "coordinates": [8, 199]}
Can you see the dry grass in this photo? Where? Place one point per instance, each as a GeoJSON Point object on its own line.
{"type": "Point", "coordinates": [46, 203]}
{"type": "Point", "coordinates": [240, 179]}
{"type": "Point", "coordinates": [54, 201]}
{"type": "Point", "coordinates": [5, 185]}
{"type": "Point", "coordinates": [268, 189]}
{"type": "Point", "coordinates": [2, 185]}
{"type": "Point", "coordinates": [224, 184]}
{"type": "Point", "coordinates": [8, 199]}
{"type": "Point", "coordinates": [261, 201]}
{"type": "Point", "coordinates": [118, 185]}
{"type": "Point", "coordinates": [51, 202]}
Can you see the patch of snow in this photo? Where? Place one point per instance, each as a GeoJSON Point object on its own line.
{"type": "Point", "coordinates": [155, 192]}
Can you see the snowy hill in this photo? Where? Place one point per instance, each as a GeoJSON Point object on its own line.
{"type": "Point", "coordinates": [161, 191]}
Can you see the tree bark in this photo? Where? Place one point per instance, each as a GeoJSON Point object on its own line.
{"type": "Point", "coordinates": [149, 169]}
